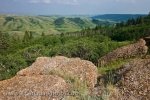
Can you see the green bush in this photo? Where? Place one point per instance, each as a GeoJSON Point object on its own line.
{"type": "Point", "coordinates": [23, 54]}
{"type": "Point", "coordinates": [10, 65]}
{"type": "Point", "coordinates": [31, 53]}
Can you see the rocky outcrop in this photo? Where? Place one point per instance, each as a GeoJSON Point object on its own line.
{"type": "Point", "coordinates": [82, 69]}
{"type": "Point", "coordinates": [41, 87]}
{"type": "Point", "coordinates": [128, 51]}
{"type": "Point", "coordinates": [129, 82]}
{"type": "Point", "coordinates": [136, 79]}
{"type": "Point", "coordinates": [50, 75]}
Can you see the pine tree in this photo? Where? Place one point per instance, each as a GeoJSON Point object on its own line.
{"type": "Point", "coordinates": [31, 36]}
{"type": "Point", "coordinates": [62, 38]}
{"type": "Point", "coordinates": [149, 14]}
{"type": "Point", "coordinates": [139, 20]}
{"type": "Point", "coordinates": [122, 24]}
{"type": "Point", "coordinates": [26, 37]}
{"type": "Point", "coordinates": [4, 40]}
{"type": "Point", "coordinates": [43, 34]}
{"type": "Point", "coordinates": [133, 22]}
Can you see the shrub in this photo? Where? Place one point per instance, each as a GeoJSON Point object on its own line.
{"type": "Point", "coordinates": [10, 65]}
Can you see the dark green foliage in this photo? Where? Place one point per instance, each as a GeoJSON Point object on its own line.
{"type": "Point", "coordinates": [9, 18]}
{"type": "Point", "coordinates": [22, 54]}
{"type": "Point", "coordinates": [4, 42]}
{"type": "Point", "coordinates": [62, 38]}
{"type": "Point", "coordinates": [31, 53]}
{"type": "Point", "coordinates": [131, 30]}
{"type": "Point", "coordinates": [131, 22]}
{"type": "Point", "coordinates": [149, 14]}
{"type": "Point", "coordinates": [31, 35]}
{"type": "Point", "coordinates": [89, 48]}
{"type": "Point", "coordinates": [43, 34]}
{"type": "Point", "coordinates": [26, 37]}
{"type": "Point", "coordinates": [59, 21]}
{"type": "Point", "coordinates": [77, 20]}
{"type": "Point", "coordinates": [10, 65]}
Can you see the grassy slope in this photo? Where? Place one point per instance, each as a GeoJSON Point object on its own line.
{"type": "Point", "coordinates": [39, 24]}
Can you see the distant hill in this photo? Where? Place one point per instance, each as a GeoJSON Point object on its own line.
{"type": "Point", "coordinates": [46, 24]}
{"type": "Point", "coordinates": [17, 25]}
{"type": "Point", "coordinates": [117, 17]}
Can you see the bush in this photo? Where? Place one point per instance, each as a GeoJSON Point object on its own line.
{"type": "Point", "coordinates": [86, 47]}
{"type": "Point", "coordinates": [31, 53]}
{"type": "Point", "coordinates": [10, 65]}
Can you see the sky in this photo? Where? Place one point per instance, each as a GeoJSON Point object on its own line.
{"type": "Point", "coordinates": [74, 7]}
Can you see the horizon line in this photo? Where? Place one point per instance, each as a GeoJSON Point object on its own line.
{"type": "Point", "coordinates": [15, 14]}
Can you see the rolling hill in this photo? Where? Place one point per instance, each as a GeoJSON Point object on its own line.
{"type": "Point", "coordinates": [17, 25]}
{"type": "Point", "coordinates": [47, 24]}
{"type": "Point", "coordinates": [117, 17]}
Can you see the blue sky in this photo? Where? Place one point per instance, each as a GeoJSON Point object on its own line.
{"type": "Point", "coordinates": [74, 7]}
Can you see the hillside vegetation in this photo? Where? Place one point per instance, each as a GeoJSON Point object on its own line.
{"type": "Point", "coordinates": [113, 62]}
{"type": "Point", "coordinates": [17, 25]}
{"type": "Point", "coordinates": [132, 29]}
{"type": "Point", "coordinates": [89, 44]}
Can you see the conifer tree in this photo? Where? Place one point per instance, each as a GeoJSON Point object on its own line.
{"type": "Point", "coordinates": [149, 14]}
{"type": "Point", "coordinates": [43, 34]}
{"type": "Point", "coordinates": [4, 40]}
{"type": "Point", "coordinates": [26, 37]}
{"type": "Point", "coordinates": [31, 36]}
{"type": "Point", "coordinates": [62, 38]}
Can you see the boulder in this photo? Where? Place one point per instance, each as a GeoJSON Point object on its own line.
{"type": "Point", "coordinates": [75, 67]}
{"type": "Point", "coordinates": [51, 79]}
{"type": "Point", "coordinates": [135, 82]}
{"type": "Point", "coordinates": [41, 87]}
{"type": "Point", "coordinates": [128, 51]}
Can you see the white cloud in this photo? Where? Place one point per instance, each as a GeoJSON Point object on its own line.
{"type": "Point", "coordinates": [40, 1]}
{"type": "Point", "coordinates": [69, 2]}
{"type": "Point", "coordinates": [130, 1]}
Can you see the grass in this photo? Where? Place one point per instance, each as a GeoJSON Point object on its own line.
{"type": "Point", "coordinates": [78, 87]}
{"type": "Point", "coordinates": [111, 93]}
{"type": "Point", "coordinates": [108, 72]}
{"type": "Point", "coordinates": [112, 66]}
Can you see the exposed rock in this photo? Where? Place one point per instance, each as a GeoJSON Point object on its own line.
{"type": "Point", "coordinates": [82, 69]}
{"type": "Point", "coordinates": [132, 50]}
{"type": "Point", "coordinates": [135, 82]}
{"type": "Point", "coordinates": [47, 76]}
{"type": "Point", "coordinates": [131, 81]}
{"type": "Point", "coordinates": [41, 87]}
